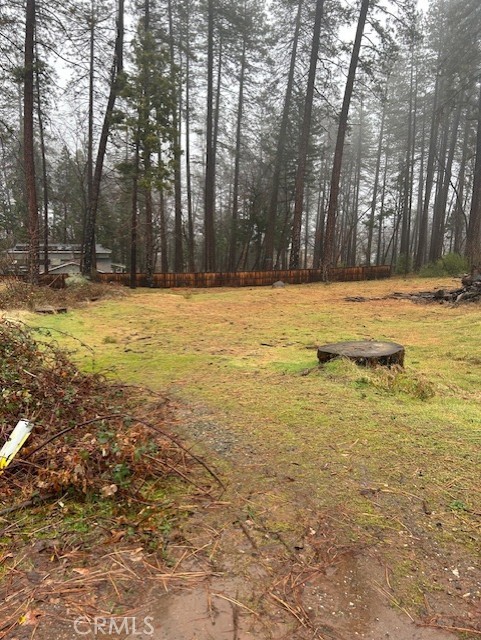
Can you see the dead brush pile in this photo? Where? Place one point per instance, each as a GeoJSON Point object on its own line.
{"type": "Point", "coordinates": [16, 294]}
{"type": "Point", "coordinates": [97, 479]}
{"type": "Point", "coordinates": [85, 437]}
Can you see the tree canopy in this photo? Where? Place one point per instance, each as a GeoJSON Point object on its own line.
{"type": "Point", "coordinates": [209, 135]}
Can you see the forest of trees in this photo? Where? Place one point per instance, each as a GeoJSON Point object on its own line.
{"type": "Point", "coordinates": [208, 135]}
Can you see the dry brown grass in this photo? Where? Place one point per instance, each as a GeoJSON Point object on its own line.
{"type": "Point", "coordinates": [16, 294]}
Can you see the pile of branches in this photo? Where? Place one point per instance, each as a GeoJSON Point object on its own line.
{"type": "Point", "coordinates": [469, 292]}
{"type": "Point", "coordinates": [84, 436]}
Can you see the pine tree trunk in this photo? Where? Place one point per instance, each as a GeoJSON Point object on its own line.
{"type": "Point", "coordinates": [209, 195]}
{"type": "Point", "coordinates": [294, 262]}
{"type": "Point", "coordinates": [146, 150]}
{"type": "Point", "coordinates": [352, 259]}
{"type": "Point", "coordinates": [421, 250]}
{"type": "Point", "coordinates": [188, 172]}
{"type": "Point", "coordinates": [320, 219]}
{"type": "Point", "coordinates": [419, 206]}
{"type": "Point", "coordinates": [372, 216]}
{"type": "Point", "coordinates": [459, 209]}
{"type": "Point", "coordinates": [439, 221]}
{"type": "Point", "coordinates": [411, 233]}
{"type": "Point", "coordinates": [134, 217]}
{"type": "Point", "coordinates": [28, 145]}
{"type": "Point", "coordinates": [235, 190]}
{"type": "Point", "coordinates": [164, 256]}
{"type": "Point", "coordinates": [90, 132]}
{"type": "Point", "coordinates": [43, 155]}
{"type": "Point", "coordinates": [329, 249]}
{"type": "Point", "coordinates": [149, 234]}
{"type": "Point", "coordinates": [279, 157]}
{"type": "Point", "coordinates": [408, 174]}
{"type": "Point", "coordinates": [178, 247]}
{"type": "Point", "coordinates": [473, 236]}
{"type": "Point", "coordinates": [306, 229]}
{"type": "Point", "coordinates": [89, 257]}
{"type": "Point", "coordinates": [380, 247]}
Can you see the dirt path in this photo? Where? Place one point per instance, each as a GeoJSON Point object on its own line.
{"type": "Point", "coordinates": [344, 603]}
{"type": "Point", "coordinates": [304, 583]}
{"type": "Point", "coordinates": [267, 585]}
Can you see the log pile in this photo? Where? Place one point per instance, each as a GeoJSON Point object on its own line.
{"type": "Point", "coordinates": [469, 292]}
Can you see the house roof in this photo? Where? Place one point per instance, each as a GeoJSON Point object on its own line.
{"type": "Point", "coordinates": [58, 247]}
{"type": "Point", "coordinates": [72, 263]}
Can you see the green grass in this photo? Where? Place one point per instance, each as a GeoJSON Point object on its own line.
{"type": "Point", "coordinates": [413, 436]}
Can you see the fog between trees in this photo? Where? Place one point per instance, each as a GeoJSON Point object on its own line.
{"type": "Point", "coordinates": [210, 135]}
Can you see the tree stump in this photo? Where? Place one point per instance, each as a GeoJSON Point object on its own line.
{"type": "Point", "coordinates": [364, 352]}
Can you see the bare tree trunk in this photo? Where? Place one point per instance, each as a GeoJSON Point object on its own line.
{"type": "Point", "coordinates": [235, 191]}
{"type": "Point", "coordinates": [346, 189]}
{"type": "Point", "coordinates": [45, 190]}
{"type": "Point", "coordinates": [439, 220]}
{"type": "Point", "coordinates": [419, 206]}
{"type": "Point", "coordinates": [473, 236]}
{"type": "Point", "coordinates": [164, 257]}
{"type": "Point", "coordinates": [209, 195]}
{"type": "Point", "coordinates": [149, 232]}
{"type": "Point", "coordinates": [188, 173]}
{"type": "Point", "coordinates": [408, 173]}
{"type": "Point", "coordinates": [294, 262]}
{"type": "Point", "coordinates": [144, 113]}
{"type": "Point", "coordinates": [178, 248]}
{"type": "Point", "coordinates": [380, 248]}
{"type": "Point", "coordinates": [134, 217]}
{"type": "Point", "coordinates": [90, 131]}
{"type": "Point", "coordinates": [372, 216]}
{"type": "Point", "coordinates": [89, 258]}
{"type": "Point", "coordinates": [352, 255]}
{"type": "Point", "coordinates": [459, 209]}
{"type": "Point", "coordinates": [328, 253]}
{"type": "Point", "coordinates": [281, 142]}
{"type": "Point", "coordinates": [306, 230]}
{"type": "Point", "coordinates": [320, 219]}
{"type": "Point", "coordinates": [28, 145]}
{"type": "Point", "coordinates": [420, 256]}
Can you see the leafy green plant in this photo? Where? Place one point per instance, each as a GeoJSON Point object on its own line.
{"type": "Point", "coordinates": [458, 505]}
{"type": "Point", "coordinates": [452, 264]}
{"type": "Point", "coordinates": [121, 474]}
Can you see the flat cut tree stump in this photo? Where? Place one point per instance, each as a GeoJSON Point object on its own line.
{"type": "Point", "coordinates": [364, 352]}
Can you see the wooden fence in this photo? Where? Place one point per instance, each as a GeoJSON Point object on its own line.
{"type": "Point", "coordinates": [225, 279]}
{"type": "Point", "coordinates": [249, 278]}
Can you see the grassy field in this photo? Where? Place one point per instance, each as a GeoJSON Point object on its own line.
{"type": "Point", "coordinates": [392, 457]}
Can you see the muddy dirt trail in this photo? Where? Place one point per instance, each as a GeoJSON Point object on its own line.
{"type": "Point", "coordinates": [263, 582]}
{"type": "Point", "coordinates": [267, 584]}
{"type": "Point", "coordinates": [344, 603]}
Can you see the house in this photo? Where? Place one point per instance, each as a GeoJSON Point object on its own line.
{"type": "Point", "coordinates": [63, 258]}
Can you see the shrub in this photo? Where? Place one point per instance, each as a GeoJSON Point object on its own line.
{"type": "Point", "coordinates": [404, 264]}
{"type": "Point", "coordinates": [76, 280]}
{"type": "Point", "coordinates": [452, 264]}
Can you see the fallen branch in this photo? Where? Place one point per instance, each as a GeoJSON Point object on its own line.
{"type": "Point", "coordinates": [34, 500]}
